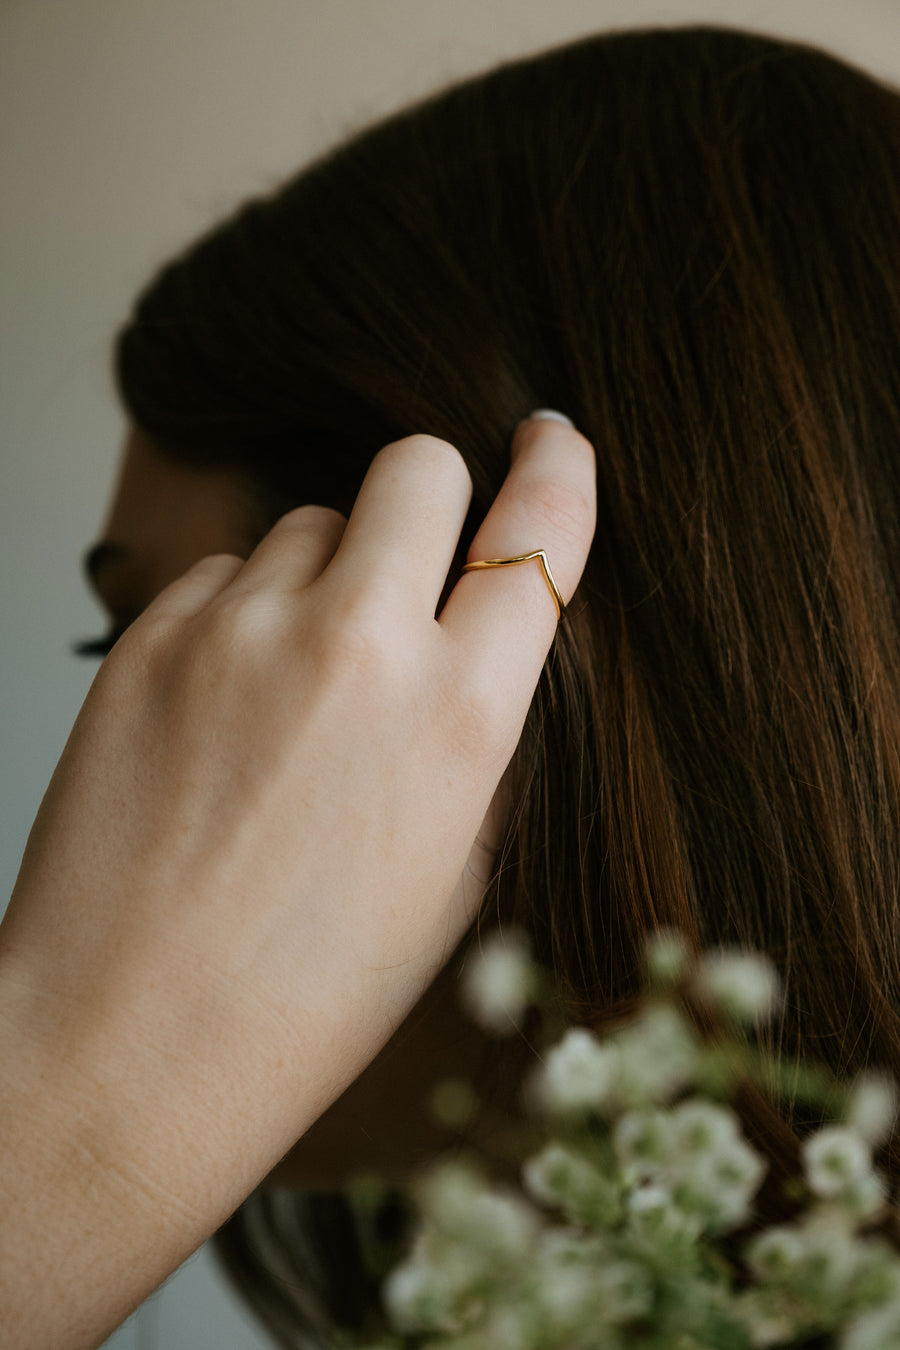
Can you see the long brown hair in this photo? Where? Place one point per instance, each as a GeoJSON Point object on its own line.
{"type": "Point", "coordinates": [686, 239]}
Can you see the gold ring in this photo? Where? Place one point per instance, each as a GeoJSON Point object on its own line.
{"type": "Point", "coordinates": [523, 558]}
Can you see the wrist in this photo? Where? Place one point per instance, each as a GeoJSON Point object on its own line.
{"type": "Point", "coordinates": [112, 1169]}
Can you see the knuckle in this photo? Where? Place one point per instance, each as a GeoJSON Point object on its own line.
{"type": "Point", "coordinates": [237, 622]}
{"type": "Point", "coordinates": [201, 581]}
{"type": "Point", "coordinates": [358, 639]}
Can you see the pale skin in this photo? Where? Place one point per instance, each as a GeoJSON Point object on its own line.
{"type": "Point", "coordinates": [255, 856]}
{"type": "Point", "coordinates": [163, 517]}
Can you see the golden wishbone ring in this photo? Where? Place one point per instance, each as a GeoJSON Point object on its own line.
{"type": "Point", "coordinates": [523, 558]}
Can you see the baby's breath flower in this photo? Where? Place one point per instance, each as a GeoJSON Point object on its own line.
{"type": "Point", "coordinates": [699, 1126]}
{"type": "Point", "coordinates": [774, 1255]}
{"type": "Point", "coordinates": [872, 1108]}
{"type": "Point", "coordinates": [499, 981]}
{"type": "Point", "coordinates": [769, 1316]}
{"type": "Point", "coordinates": [666, 956]}
{"type": "Point", "coordinates": [447, 1192]}
{"type": "Point", "coordinates": [579, 1074]}
{"type": "Point", "coordinates": [876, 1329]}
{"type": "Point", "coordinates": [657, 1221]}
{"type": "Point", "coordinates": [565, 1284]}
{"type": "Point", "coordinates": [619, 1245]}
{"type": "Point", "coordinates": [626, 1289]}
{"type": "Point", "coordinates": [562, 1177]}
{"type": "Point", "coordinates": [418, 1297]}
{"type": "Point", "coordinates": [835, 1158]}
{"type": "Point", "coordinates": [742, 985]}
{"type": "Point", "coordinates": [696, 1152]}
{"type": "Point", "coordinates": [821, 1264]}
{"type": "Point", "coordinates": [649, 1199]}
{"type": "Point", "coordinates": [473, 1236]}
{"type": "Point", "coordinates": [719, 1186]}
{"type": "Point", "coordinates": [581, 1289]}
{"type": "Point", "coordinates": [641, 1143]}
{"type": "Point", "coordinates": [864, 1198]}
{"type": "Point", "coordinates": [658, 1054]}
{"type": "Point", "coordinates": [509, 1325]}
{"type": "Point", "coordinates": [556, 1173]}
{"type": "Point", "coordinates": [506, 1225]}
{"type": "Point", "coordinates": [494, 1225]}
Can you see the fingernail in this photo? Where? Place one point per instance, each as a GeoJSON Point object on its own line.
{"type": "Point", "coordinates": [550, 415]}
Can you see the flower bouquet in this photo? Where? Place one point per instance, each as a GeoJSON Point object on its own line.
{"type": "Point", "coordinates": [633, 1225]}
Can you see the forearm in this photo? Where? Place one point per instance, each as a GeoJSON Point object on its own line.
{"type": "Point", "coordinates": [117, 1160]}
{"type": "Point", "coordinates": [147, 1086]}
{"type": "Point", "coordinates": [80, 1247]}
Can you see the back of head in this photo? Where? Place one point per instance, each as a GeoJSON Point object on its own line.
{"type": "Point", "coordinates": [686, 240]}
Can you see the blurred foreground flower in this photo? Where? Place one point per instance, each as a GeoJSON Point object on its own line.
{"type": "Point", "coordinates": [632, 1179]}
{"type": "Point", "coordinates": [742, 986]}
{"type": "Point", "coordinates": [499, 981]}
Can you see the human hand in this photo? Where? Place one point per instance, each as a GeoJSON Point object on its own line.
{"type": "Point", "coordinates": [245, 870]}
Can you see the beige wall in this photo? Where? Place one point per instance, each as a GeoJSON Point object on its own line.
{"type": "Point", "coordinates": [125, 127]}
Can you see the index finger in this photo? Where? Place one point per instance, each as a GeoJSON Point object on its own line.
{"type": "Point", "coordinates": [504, 618]}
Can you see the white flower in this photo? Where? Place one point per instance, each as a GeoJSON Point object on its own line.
{"type": "Point", "coordinates": [666, 954]}
{"type": "Point", "coordinates": [655, 1218]}
{"type": "Point", "coordinates": [566, 1291]}
{"type": "Point", "coordinates": [557, 1174]}
{"type": "Point", "coordinates": [714, 1171]}
{"type": "Point", "coordinates": [419, 1298]}
{"type": "Point", "coordinates": [472, 1236]}
{"type": "Point", "coordinates": [696, 1152]}
{"type": "Point", "coordinates": [699, 1126]}
{"type": "Point", "coordinates": [447, 1192]}
{"type": "Point", "coordinates": [509, 1326]}
{"type": "Point", "coordinates": [872, 1109]}
{"type": "Point", "coordinates": [498, 981]}
{"type": "Point", "coordinates": [835, 1159]}
{"type": "Point", "coordinates": [625, 1289]}
{"type": "Point", "coordinates": [720, 1186]}
{"type": "Point", "coordinates": [832, 1255]}
{"type": "Point", "coordinates": [562, 1177]}
{"type": "Point", "coordinates": [744, 986]}
{"type": "Point", "coordinates": [659, 1055]}
{"type": "Point", "coordinates": [769, 1317]}
{"type": "Point", "coordinates": [863, 1199]}
{"type": "Point", "coordinates": [878, 1329]}
{"type": "Point", "coordinates": [505, 1225]}
{"type": "Point", "coordinates": [641, 1143]}
{"type": "Point", "coordinates": [649, 1200]}
{"type": "Point", "coordinates": [587, 1289]}
{"type": "Point", "coordinates": [774, 1255]}
{"type": "Point", "coordinates": [468, 1223]}
{"type": "Point", "coordinates": [820, 1260]}
{"type": "Point", "coordinates": [636, 1191]}
{"type": "Point", "coordinates": [579, 1074]}
{"type": "Point", "coordinates": [580, 1285]}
